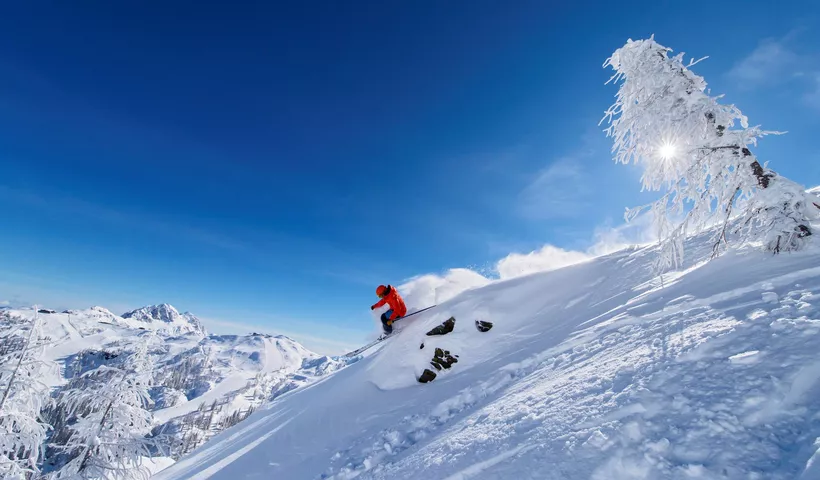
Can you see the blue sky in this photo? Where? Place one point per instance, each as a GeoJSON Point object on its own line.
{"type": "Point", "coordinates": [269, 164]}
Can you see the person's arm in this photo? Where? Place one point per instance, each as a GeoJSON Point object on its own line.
{"type": "Point", "coordinates": [379, 303]}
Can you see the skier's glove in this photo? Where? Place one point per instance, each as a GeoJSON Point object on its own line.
{"type": "Point", "coordinates": [372, 307]}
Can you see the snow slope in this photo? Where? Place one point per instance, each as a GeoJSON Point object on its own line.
{"type": "Point", "coordinates": [593, 371]}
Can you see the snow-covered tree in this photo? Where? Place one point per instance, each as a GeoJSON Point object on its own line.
{"type": "Point", "coordinates": [698, 151]}
{"type": "Point", "coordinates": [22, 395]}
{"type": "Point", "coordinates": [111, 421]}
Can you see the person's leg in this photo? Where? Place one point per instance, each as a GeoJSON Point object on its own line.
{"type": "Point", "coordinates": [385, 317]}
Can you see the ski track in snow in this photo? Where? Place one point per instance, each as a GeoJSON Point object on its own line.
{"type": "Point", "coordinates": [476, 469]}
{"type": "Point", "coordinates": [206, 473]}
{"type": "Point", "coordinates": [595, 371]}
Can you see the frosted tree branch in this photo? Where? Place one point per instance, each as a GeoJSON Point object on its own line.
{"type": "Point", "coordinates": [22, 433]}
{"type": "Point", "coordinates": [109, 434]}
{"type": "Point", "coordinates": [697, 151]}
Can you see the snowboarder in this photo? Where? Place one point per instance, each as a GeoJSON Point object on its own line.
{"type": "Point", "coordinates": [390, 296]}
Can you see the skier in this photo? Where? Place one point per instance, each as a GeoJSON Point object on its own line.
{"type": "Point", "coordinates": [390, 296]}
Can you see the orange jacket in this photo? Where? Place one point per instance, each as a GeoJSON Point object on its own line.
{"type": "Point", "coordinates": [395, 301]}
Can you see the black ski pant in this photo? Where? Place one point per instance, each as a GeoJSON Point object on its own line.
{"type": "Point", "coordinates": [385, 317]}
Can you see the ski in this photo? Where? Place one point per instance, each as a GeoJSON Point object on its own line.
{"type": "Point", "coordinates": [369, 345]}
{"type": "Point", "coordinates": [384, 337]}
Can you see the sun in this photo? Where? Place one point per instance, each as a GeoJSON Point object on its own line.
{"type": "Point", "coordinates": [668, 150]}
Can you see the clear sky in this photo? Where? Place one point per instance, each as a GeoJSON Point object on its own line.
{"type": "Point", "coordinates": [270, 163]}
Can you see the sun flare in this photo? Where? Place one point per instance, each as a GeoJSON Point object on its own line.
{"type": "Point", "coordinates": [667, 151]}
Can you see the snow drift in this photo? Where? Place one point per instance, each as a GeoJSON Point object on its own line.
{"type": "Point", "coordinates": [598, 370]}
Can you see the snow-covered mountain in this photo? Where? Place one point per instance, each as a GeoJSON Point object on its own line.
{"type": "Point", "coordinates": [601, 370]}
{"type": "Point", "coordinates": [201, 383]}
{"type": "Point", "coordinates": [169, 316]}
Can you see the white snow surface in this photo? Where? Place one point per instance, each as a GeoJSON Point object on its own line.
{"type": "Point", "coordinates": [599, 370]}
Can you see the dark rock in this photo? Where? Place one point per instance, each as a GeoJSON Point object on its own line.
{"type": "Point", "coordinates": [427, 376]}
{"type": "Point", "coordinates": [445, 328]}
{"type": "Point", "coordinates": [443, 359]}
{"type": "Point", "coordinates": [483, 326]}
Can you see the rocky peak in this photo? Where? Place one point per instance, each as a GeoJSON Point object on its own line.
{"type": "Point", "coordinates": [167, 314]}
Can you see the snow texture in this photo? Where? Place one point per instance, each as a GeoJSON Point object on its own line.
{"type": "Point", "coordinates": [599, 370]}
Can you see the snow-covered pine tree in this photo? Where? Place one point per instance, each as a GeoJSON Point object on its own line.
{"type": "Point", "coordinates": [22, 395]}
{"type": "Point", "coordinates": [664, 119]}
{"type": "Point", "coordinates": [109, 432]}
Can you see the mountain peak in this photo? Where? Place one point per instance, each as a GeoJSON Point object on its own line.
{"type": "Point", "coordinates": [102, 310]}
{"type": "Point", "coordinates": [166, 313]}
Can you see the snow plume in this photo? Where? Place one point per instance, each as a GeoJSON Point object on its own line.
{"type": "Point", "coordinates": [431, 289]}
{"type": "Point", "coordinates": [549, 257]}
{"type": "Point", "coordinates": [606, 240]}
